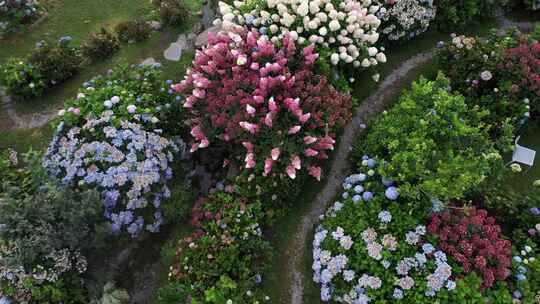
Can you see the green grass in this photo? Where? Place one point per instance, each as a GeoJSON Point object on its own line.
{"type": "Point", "coordinates": [74, 18]}
{"type": "Point", "coordinates": [23, 140]}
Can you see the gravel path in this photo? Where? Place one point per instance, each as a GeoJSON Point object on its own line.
{"type": "Point", "coordinates": [373, 105]}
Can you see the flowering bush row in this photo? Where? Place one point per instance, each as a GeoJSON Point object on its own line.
{"type": "Point", "coordinates": [371, 246]}
{"type": "Point", "coordinates": [434, 147]}
{"type": "Point", "coordinates": [48, 65]}
{"type": "Point", "coordinates": [264, 104]}
{"type": "Point", "coordinates": [261, 102]}
{"type": "Point", "coordinates": [52, 63]}
{"type": "Point", "coordinates": [221, 262]}
{"type": "Point", "coordinates": [16, 13]}
{"type": "Point", "coordinates": [346, 33]}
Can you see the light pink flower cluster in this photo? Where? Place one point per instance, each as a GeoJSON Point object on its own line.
{"type": "Point", "coordinates": [263, 103]}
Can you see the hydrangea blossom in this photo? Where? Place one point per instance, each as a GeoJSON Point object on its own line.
{"type": "Point", "coordinates": [380, 244]}
{"type": "Point", "coordinates": [474, 241]}
{"type": "Point", "coordinates": [348, 30]}
{"type": "Point", "coordinates": [405, 19]}
{"type": "Point", "coordinates": [57, 263]}
{"type": "Point", "coordinates": [127, 163]}
{"type": "Point", "coordinates": [263, 103]}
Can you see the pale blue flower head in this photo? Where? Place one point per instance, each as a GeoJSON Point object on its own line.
{"type": "Point", "coordinates": [398, 294]}
{"type": "Point", "coordinates": [367, 196]}
{"type": "Point", "coordinates": [391, 193]}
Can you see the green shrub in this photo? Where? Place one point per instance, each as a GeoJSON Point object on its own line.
{"type": "Point", "coordinates": [133, 31]}
{"type": "Point", "coordinates": [21, 79]}
{"type": "Point", "coordinates": [434, 144]}
{"type": "Point", "coordinates": [224, 258]}
{"type": "Point", "coordinates": [452, 15]}
{"type": "Point", "coordinates": [46, 232]}
{"type": "Point", "coordinates": [48, 65]}
{"type": "Point", "coordinates": [172, 12]}
{"type": "Point", "coordinates": [100, 45]}
{"type": "Point", "coordinates": [56, 62]}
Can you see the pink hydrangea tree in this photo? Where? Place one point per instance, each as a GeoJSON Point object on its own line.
{"type": "Point", "coordinates": [264, 103]}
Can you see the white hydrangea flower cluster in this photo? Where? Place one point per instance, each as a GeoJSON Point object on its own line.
{"type": "Point", "coordinates": [58, 262]}
{"type": "Point", "coordinates": [406, 19]}
{"type": "Point", "coordinates": [348, 31]}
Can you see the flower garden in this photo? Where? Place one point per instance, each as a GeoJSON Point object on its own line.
{"type": "Point", "coordinates": [308, 151]}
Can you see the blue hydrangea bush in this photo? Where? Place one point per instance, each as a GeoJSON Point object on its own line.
{"type": "Point", "coordinates": [368, 248]}
{"type": "Point", "coordinates": [130, 166]}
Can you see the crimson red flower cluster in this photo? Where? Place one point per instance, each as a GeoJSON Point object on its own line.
{"type": "Point", "coordinates": [474, 241]}
{"type": "Point", "coordinates": [264, 103]}
{"type": "Point", "coordinates": [525, 58]}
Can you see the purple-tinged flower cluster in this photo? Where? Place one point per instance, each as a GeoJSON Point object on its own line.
{"type": "Point", "coordinates": [127, 163]}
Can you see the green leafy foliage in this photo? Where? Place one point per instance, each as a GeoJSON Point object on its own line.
{"type": "Point", "coordinates": [48, 65]}
{"type": "Point", "coordinates": [100, 45]}
{"type": "Point", "coordinates": [434, 144]}
{"type": "Point", "coordinates": [133, 31]}
{"type": "Point", "coordinates": [223, 259]}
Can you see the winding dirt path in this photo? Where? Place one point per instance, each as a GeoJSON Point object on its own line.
{"type": "Point", "coordinates": [371, 106]}
{"type": "Point", "coordinates": [376, 103]}
{"type": "Point", "coordinates": [14, 121]}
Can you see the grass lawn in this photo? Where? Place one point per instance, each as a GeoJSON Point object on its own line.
{"type": "Point", "coordinates": [77, 19]}
{"type": "Point", "coordinates": [363, 87]}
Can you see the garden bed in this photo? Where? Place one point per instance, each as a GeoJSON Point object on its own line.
{"type": "Point", "coordinates": [276, 120]}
